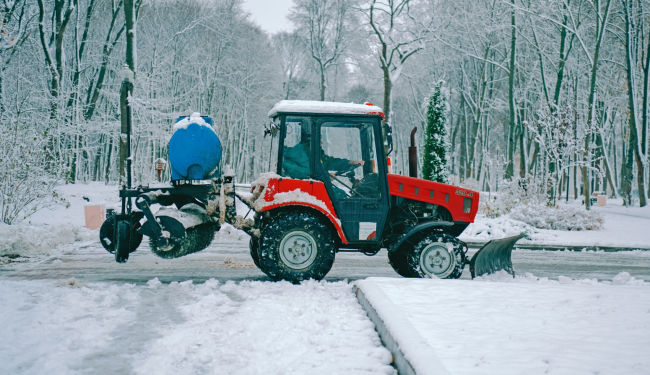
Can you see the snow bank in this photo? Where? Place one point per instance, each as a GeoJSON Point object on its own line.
{"type": "Point", "coordinates": [559, 218]}
{"type": "Point", "coordinates": [525, 325]}
{"type": "Point", "coordinates": [187, 328]}
{"type": "Point", "coordinates": [485, 229]}
{"type": "Point", "coordinates": [28, 240]}
{"type": "Point", "coordinates": [619, 226]}
{"type": "Point", "coordinates": [623, 278]}
{"type": "Point", "coordinates": [77, 195]}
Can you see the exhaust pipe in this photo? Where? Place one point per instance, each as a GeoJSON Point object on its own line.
{"type": "Point", "coordinates": [413, 156]}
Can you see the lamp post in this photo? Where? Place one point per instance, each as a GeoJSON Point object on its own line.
{"type": "Point", "coordinates": [126, 76]}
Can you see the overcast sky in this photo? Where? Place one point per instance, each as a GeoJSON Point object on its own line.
{"type": "Point", "coordinates": [269, 14]}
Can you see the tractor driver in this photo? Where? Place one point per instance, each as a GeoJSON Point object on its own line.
{"type": "Point", "coordinates": [334, 166]}
{"type": "Point", "coordinates": [295, 162]}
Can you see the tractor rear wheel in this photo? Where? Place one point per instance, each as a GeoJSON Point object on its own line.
{"type": "Point", "coordinates": [437, 254]}
{"type": "Point", "coordinates": [296, 246]}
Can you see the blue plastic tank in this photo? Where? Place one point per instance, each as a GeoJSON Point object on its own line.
{"type": "Point", "coordinates": [194, 149]}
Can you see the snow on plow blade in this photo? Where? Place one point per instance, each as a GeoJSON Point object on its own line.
{"type": "Point", "coordinates": [495, 256]}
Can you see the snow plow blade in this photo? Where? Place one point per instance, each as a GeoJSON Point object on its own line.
{"type": "Point", "coordinates": [495, 256]}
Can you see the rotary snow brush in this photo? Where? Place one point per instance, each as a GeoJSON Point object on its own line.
{"type": "Point", "coordinates": [195, 202]}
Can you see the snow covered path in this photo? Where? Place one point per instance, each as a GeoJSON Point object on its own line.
{"type": "Point", "coordinates": [53, 327]}
{"type": "Point", "coordinates": [522, 326]}
{"type": "Point", "coordinates": [229, 259]}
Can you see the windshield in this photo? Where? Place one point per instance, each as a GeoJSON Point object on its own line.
{"type": "Point", "coordinates": [348, 155]}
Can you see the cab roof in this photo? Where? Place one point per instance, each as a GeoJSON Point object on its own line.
{"type": "Point", "coordinates": [310, 106]}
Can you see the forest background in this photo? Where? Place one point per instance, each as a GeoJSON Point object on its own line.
{"type": "Point", "coordinates": [552, 94]}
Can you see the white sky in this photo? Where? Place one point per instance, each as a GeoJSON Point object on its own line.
{"type": "Point", "coordinates": [269, 14]}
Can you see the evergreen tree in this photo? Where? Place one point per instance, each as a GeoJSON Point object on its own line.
{"type": "Point", "coordinates": [434, 163]}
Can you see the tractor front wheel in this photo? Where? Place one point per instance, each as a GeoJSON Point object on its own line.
{"type": "Point", "coordinates": [435, 255]}
{"type": "Point", "coordinates": [296, 246]}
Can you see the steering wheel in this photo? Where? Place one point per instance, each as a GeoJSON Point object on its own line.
{"type": "Point", "coordinates": [350, 168]}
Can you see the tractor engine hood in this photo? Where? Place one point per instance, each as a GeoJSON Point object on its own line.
{"type": "Point", "coordinates": [461, 203]}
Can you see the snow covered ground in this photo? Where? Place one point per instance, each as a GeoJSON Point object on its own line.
{"type": "Point", "coordinates": [64, 327]}
{"type": "Point", "coordinates": [525, 325]}
{"type": "Point", "coordinates": [623, 226]}
{"type": "Point", "coordinates": [99, 324]}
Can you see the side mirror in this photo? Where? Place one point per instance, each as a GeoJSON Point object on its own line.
{"type": "Point", "coordinates": [271, 129]}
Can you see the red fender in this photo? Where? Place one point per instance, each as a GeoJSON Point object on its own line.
{"type": "Point", "coordinates": [315, 189]}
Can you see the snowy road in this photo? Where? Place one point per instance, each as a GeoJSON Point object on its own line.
{"type": "Point", "coordinates": [230, 260]}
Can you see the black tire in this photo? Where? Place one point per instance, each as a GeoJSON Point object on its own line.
{"type": "Point", "coordinates": [122, 246]}
{"type": "Point", "coordinates": [106, 233]}
{"type": "Point", "coordinates": [397, 260]}
{"type": "Point", "coordinates": [430, 252]}
{"type": "Point", "coordinates": [136, 236]}
{"type": "Point", "coordinates": [254, 246]}
{"type": "Point", "coordinates": [312, 237]}
{"type": "Point", "coordinates": [196, 239]}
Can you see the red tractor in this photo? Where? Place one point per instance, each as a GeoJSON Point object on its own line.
{"type": "Point", "coordinates": [328, 188]}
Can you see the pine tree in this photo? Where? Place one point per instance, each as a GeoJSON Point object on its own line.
{"type": "Point", "coordinates": [434, 163]}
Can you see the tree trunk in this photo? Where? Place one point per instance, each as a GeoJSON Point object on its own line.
{"type": "Point", "coordinates": [592, 102]}
{"type": "Point", "coordinates": [462, 162]}
{"type": "Point", "coordinates": [131, 48]}
{"type": "Point", "coordinates": [322, 83]}
{"type": "Point", "coordinates": [634, 145]}
{"type": "Point", "coordinates": [522, 146]}
{"type": "Point", "coordinates": [512, 144]}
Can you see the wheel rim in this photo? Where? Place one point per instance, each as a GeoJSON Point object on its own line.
{"type": "Point", "coordinates": [437, 260]}
{"type": "Point", "coordinates": [298, 250]}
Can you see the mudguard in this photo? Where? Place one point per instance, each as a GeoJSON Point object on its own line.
{"type": "Point", "coordinates": [418, 229]}
{"type": "Point", "coordinates": [333, 219]}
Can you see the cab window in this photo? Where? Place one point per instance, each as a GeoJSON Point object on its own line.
{"type": "Point", "coordinates": [296, 148]}
{"type": "Point", "coordinates": [349, 157]}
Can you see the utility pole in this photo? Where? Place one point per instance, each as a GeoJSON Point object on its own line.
{"type": "Point", "coordinates": [126, 75]}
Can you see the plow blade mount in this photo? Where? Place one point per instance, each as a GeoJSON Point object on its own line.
{"type": "Point", "coordinates": [495, 256]}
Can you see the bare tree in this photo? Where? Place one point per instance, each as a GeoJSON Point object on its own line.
{"type": "Point", "coordinates": [401, 33]}
{"type": "Point", "coordinates": [291, 52]}
{"type": "Point", "coordinates": [323, 24]}
{"type": "Point", "coordinates": [636, 142]}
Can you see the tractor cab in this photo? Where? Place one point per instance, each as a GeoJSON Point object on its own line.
{"type": "Point", "coordinates": [340, 147]}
